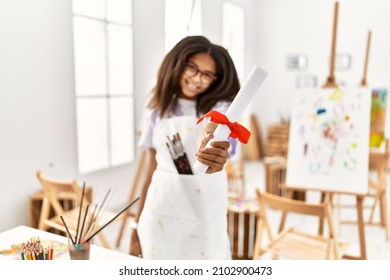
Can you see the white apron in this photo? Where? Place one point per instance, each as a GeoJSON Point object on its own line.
{"type": "Point", "coordinates": [184, 216]}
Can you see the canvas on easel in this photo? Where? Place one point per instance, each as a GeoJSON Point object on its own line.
{"type": "Point", "coordinates": [378, 131]}
{"type": "Point", "coordinates": [378, 117]}
{"type": "Point", "coordinates": [329, 140]}
{"type": "Point", "coordinates": [328, 146]}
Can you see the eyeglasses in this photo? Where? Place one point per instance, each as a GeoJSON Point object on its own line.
{"type": "Point", "coordinates": [191, 70]}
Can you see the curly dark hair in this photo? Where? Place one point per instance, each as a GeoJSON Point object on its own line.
{"type": "Point", "coordinates": [164, 95]}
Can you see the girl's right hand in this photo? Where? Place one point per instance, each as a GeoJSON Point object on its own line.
{"type": "Point", "coordinates": [215, 156]}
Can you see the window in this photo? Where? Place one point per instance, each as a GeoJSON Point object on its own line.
{"type": "Point", "coordinates": [103, 57]}
{"type": "Point", "coordinates": [179, 25]}
{"type": "Point", "coordinates": [233, 35]}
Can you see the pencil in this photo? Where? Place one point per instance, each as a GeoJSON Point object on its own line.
{"type": "Point", "coordinates": [28, 255]}
{"type": "Point", "coordinates": [46, 254]}
{"type": "Point", "coordinates": [51, 252]}
{"type": "Point", "coordinates": [41, 255]}
{"type": "Point", "coordinates": [33, 255]}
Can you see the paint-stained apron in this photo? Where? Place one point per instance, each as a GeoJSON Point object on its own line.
{"type": "Point", "coordinates": [184, 216]}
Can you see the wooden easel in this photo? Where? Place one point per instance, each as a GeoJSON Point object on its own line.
{"type": "Point", "coordinates": [254, 150]}
{"type": "Point", "coordinates": [331, 83]}
{"type": "Point", "coordinates": [134, 187]}
{"type": "Point", "coordinates": [363, 83]}
{"type": "Point", "coordinates": [379, 163]}
{"type": "Point", "coordinates": [331, 80]}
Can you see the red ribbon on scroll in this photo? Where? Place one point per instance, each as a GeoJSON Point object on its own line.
{"type": "Point", "coordinates": [236, 130]}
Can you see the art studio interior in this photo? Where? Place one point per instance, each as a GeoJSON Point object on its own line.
{"type": "Point", "coordinates": [76, 77]}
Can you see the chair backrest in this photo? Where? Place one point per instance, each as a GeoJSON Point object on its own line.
{"type": "Point", "coordinates": [379, 160]}
{"type": "Point", "coordinates": [58, 185]}
{"type": "Point", "coordinates": [290, 205]}
{"type": "Point", "coordinates": [56, 190]}
{"type": "Point", "coordinates": [294, 239]}
{"type": "Point", "coordinates": [378, 165]}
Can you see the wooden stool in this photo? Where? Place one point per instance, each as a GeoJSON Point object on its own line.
{"type": "Point", "coordinates": [275, 177]}
{"type": "Point", "coordinates": [242, 227]}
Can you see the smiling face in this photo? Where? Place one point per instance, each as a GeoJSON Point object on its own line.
{"type": "Point", "coordinates": [197, 76]}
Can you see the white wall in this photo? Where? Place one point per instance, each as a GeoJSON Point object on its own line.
{"type": "Point", "coordinates": [37, 112]}
{"type": "Point", "coordinates": [37, 107]}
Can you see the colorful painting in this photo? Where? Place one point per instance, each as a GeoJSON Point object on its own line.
{"type": "Point", "coordinates": [329, 140]}
{"type": "Point", "coordinates": [378, 117]}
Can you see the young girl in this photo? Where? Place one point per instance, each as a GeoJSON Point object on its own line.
{"type": "Point", "coordinates": [185, 216]}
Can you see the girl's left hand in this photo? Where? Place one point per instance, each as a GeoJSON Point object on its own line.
{"type": "Point", "coordinates": [215, 156]}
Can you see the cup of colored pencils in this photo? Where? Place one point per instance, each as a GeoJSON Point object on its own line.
{"type": "Point", "coordinates": [34, 250]}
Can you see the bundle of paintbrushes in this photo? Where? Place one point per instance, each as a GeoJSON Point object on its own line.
{"type": "Point", "coordinates": [90, 224]}
{"type": "Point", "coordinates": [34, 250]}
{"type": "Point", "coordinates": [179, 157]}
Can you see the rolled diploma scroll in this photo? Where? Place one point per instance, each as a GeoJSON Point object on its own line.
{"type": "Point", "coordinates": [236, 109]}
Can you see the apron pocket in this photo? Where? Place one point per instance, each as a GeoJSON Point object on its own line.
{"type": "Point", "coordinates": [193, 197]}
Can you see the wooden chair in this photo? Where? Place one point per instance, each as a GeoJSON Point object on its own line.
{"type": "Point", "coordinates": [55, 191]}
{"type": "Point", "coordinates": [292, 243]}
